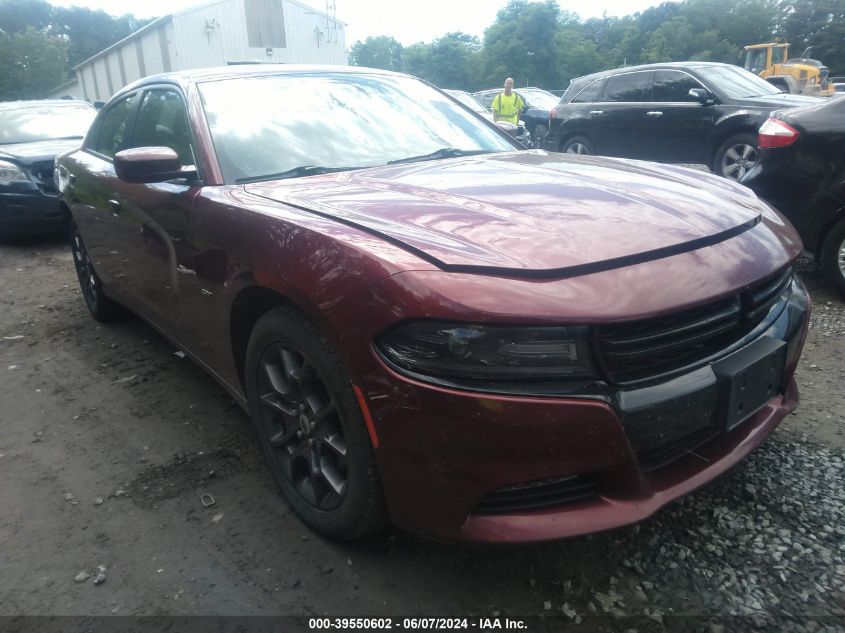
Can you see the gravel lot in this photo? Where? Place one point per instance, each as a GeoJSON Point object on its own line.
{"type": "Point", "coordinates": [110, 439]}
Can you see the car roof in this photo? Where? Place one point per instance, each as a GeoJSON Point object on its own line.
{"type": "Point", "coordinates": [661, 66]}
{"type": "Point", "coordinates": [199, 75]}
{"type": "Point", "coordinates": [36, 103]}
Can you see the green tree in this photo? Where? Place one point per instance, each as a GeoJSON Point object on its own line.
{"type": "Point", "coordinates": [452, 60]}
{"type": "Point", "coordinates": [89, 32]}
{"type": "Point", "coordinates": [382, 51]}
{"type": "Point", "coordinates": [34, 63]}
{"type": "Point", "coordinates": [816, 23]}
{"type": "Point", "coordinates": [521, 44]}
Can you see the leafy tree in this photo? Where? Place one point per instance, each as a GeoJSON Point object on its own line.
{"type": "Point", "coordinates": [68, 36]}
{"type": "Point", "coordinates": [89, 32]}
{"type": "Point", "coordinates": [35, 63]}
{"type": "Point", "coordinates": [816, 23]}
{"type": "Point", "coordinates": [451, 61]}
{"type": "Point", "coordinates": [377, 52]}
{"type": "Point", "coordinates": [521, 44]}
{"type": "Point", "coordinates": [16, 16]}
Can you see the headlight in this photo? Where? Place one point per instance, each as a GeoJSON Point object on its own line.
{"type": "Point", "coordinates": [480, 352]}
{"type": "Point", "coordinates": [10, 171]}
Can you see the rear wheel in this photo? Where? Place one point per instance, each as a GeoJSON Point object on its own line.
{"type": "Point", "coordinates": [736, 156]}
{"type": "Point", "coordinates": [578, 145]}
{"type": "Point", "coordinates": [101, 307]}
{"type": "Point", "coordinates": [311, 428]}
{"type": "Point", "coordinates": [833, 257]}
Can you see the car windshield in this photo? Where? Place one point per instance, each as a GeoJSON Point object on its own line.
{"type": "Point", "coordinates": [468, 100]}
{"type": "Point", "coordinates": [539, 99]}
{"type": "Point", "coordinates": [44, 122]}
{"type": "Point", "coordinates": [736, 83]}
{"type": "Point", "coordinates": [269, 125]}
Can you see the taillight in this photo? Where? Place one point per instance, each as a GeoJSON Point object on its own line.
{"type": "Point", "coordinates": [776, 133]}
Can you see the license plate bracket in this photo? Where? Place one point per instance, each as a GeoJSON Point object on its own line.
{"type": "Point", "coordinates": [749, 378]}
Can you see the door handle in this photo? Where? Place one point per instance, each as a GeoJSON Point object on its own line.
{"type": "Point", "coordinates": [114, 205]}
{"type": "Point", "coordinates": [654, 113]}
{"type": "Point", "coordinates": [596, 112]}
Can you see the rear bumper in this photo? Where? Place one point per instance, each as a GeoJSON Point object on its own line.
{"type": "Point", "coordinates": [30, 212]}
{"type": "Point", "coordinates": [450, 459]}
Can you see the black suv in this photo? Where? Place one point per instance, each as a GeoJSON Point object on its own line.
{"type": "Point", "coordinates": [684, 112]}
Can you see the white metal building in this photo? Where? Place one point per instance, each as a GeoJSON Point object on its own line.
{"type": "Point", "coordinates": [214, 34]}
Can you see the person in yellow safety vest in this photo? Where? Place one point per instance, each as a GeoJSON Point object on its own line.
{"type": "Point", "coordinates": [507, 106]}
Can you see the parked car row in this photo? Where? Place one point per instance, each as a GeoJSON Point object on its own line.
{"type": "Point", "coordinates": [427, 325]}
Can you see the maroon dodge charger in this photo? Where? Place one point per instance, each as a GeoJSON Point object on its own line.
{"type": "Point", "coordinates": [426, 325]}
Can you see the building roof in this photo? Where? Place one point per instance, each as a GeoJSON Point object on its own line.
{"type": "Point", "coordinates": [155, 24]}
{"type": "Point", "coordinates": [163, 20]}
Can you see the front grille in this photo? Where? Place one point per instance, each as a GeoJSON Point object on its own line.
{"type": "Point", "coordinates": [639, 350]}
{"type": "Point", "coordinates": [653, 458]}
{"type": "Point", "coordinates": [42, 174]}
{"type": "Point", "coordinates": [538, 494]}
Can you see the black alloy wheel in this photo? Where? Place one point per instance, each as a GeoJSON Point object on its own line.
{"type": "Point", "coordinates": [311, 428]}
{"type": "Point", "coordinates": [301, 425]}
{"type": "Point", "coordinates": [101, 307]}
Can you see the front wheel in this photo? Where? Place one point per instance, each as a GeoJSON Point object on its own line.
{"type": "Point", "coordinates": [578, 145]}
{"type": "Point", "coordinates": [311, 428]}
{"type": "Point", "coordinates": [833, 257]}
{"type": "Point", "coordinates": [736, 156]}
{"type": "Point", "coordinates": [99, 305]}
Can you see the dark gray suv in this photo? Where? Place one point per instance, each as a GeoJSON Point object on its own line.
{"type": "Point", "coordinates": [685, 112]}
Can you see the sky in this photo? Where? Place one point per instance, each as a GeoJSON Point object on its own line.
{"type": "Point", "coordinates": [409, 21]}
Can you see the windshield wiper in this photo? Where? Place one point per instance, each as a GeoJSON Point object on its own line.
{"type": "Point", "coordinates": [296, 172]}
{"type": "Point", "coordinates": [443, 152]}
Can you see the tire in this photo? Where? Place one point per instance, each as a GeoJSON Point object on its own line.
{"type": "Point", "coordinates": [578, 145]}
{"type": "Point", "coordinates": [538, 136]}
{"type": "Point", "coordinates": [736, 156]}
{"type": "Point", "coordinates": [311, 429]}
{"type": "Point", "coordinates": [833, 257]}
{"type": "Point", "coordinates": [99, 305]}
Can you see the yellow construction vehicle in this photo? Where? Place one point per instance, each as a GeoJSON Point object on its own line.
{"type": "Point", "coordinates": [800, 75]}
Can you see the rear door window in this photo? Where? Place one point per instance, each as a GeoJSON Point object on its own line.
{"type": "Point", "coordinates": [628, 87]}
{"type": "Point", "coordinates": [672, 86]}
{"type": "Point", "coordinates": [590, 94]}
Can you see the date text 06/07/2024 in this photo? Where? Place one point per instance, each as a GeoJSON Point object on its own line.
{"type": "Point", "coordinates": [416, 624]}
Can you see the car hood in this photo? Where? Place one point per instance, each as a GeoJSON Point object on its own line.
{"type": "Point", "coordinates": [529, 213]}
{"type": "Point", "coordinates": [38, 151]}
{"type": "Point", "coordinates": [781, 101]}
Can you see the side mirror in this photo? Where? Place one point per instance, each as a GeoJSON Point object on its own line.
{"type": "Point", "coordinates": [150, 164]}
{"type": "Point", "coordinates": [701, 95]}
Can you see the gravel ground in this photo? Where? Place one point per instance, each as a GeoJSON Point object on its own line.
{"type": "Point", "coordinates": [110, 439]}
